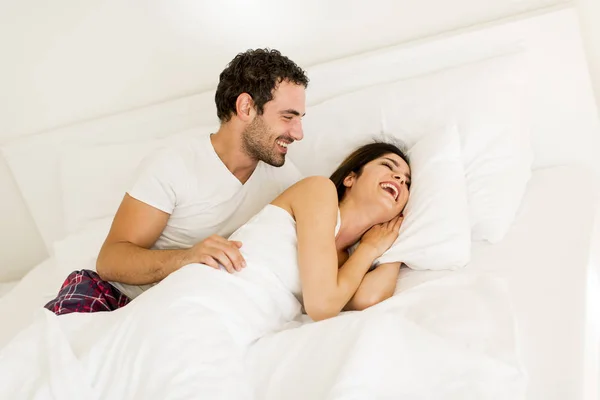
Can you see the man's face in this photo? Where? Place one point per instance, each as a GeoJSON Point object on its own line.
{"type": "Point", "coordinates": [267, 137]}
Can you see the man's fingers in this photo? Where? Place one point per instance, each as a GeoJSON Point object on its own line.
{"type": "Point", "coordinates": [233, 253]}
{"type": "Point", "coordinates": [222, 258]}
{"type": "Point", "coordinates": [208, 260]}
{"type": "Point", "coordinates": [230, 248]}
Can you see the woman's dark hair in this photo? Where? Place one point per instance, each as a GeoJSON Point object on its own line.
{"type": "Point", "coordinates": [359, 158]}
{"type": "Point", "coordinates": [256, 72]}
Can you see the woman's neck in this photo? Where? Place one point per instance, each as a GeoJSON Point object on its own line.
{"type": "Point", "coordinates": [353, 225]}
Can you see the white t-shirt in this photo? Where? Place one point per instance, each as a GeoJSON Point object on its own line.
{"type": "Point", "coordinates": [190, 182]}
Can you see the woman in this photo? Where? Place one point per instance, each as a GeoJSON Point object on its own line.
{"type": "Point", "coordinates": [186, 336]}
{"type": "Point", "coordinates": [368, 192]}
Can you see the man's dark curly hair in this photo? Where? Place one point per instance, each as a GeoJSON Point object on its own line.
{"type": "Point", "coordinates": [256, 72]}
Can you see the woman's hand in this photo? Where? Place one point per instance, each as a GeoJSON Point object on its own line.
{"type": "Point", "coordinates": [382, 236]}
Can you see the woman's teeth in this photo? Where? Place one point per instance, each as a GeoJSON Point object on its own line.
{"type": "Point", "coordinates": [392, 187]}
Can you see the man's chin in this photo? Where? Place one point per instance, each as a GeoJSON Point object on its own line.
{"type": "Point", "coordinates": [276, 161]}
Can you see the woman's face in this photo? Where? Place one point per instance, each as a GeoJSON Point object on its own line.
{"type": "Point", "coordinates": [384, 183]}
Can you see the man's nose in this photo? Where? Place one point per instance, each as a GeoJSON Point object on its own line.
{"type": "Point", "coordinates": [297, 132]}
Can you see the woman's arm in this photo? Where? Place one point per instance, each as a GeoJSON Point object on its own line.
{"type": "Point", "coordinates": [377, 285]}
{"type": "Point", "coordinates": [325, 288]}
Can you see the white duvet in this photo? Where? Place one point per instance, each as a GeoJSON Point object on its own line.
{"type": "Point", "coordinates": [450, 338]}
{"type": "Point", "coordinates": [204, 334]}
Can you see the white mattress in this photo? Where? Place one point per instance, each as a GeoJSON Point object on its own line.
{"type": "Point", "coordinates": [544, 259]}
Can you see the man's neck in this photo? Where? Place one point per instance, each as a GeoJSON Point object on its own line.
{"type": "Point", "coordinates": [227, 143]}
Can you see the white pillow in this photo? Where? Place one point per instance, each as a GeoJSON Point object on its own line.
{"type": "Point", "coordinates": [79, 250]}
{"type": "Point", "coordinates": [435, 233]}
{"type": "Point", "coordinates": [94, 178]}
{"type": "Point", "coordinates": [490, 102]}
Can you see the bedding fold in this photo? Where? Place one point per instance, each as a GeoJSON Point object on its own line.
{"type": "Point", "coordinates": [203, 333]}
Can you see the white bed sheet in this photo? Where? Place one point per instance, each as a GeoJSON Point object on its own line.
{"type": "Point", "coordinates": [544, 259]}
{"type": "Point", "coordinates": [17, 306]}
{"type": "Point", "coordinates": [545, 262]}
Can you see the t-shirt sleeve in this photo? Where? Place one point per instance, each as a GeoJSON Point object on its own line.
{"type": "Point", "coordinates": [158, 182]}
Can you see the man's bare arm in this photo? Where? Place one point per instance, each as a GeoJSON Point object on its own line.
{"type": "Point", "coordinates": [126, 256]}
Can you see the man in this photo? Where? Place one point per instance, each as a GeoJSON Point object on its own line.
{"type": "Point", "coordinates": [188, 198]}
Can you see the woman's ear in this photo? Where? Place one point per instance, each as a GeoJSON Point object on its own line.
{"type": "Point", "coordinates": [349, 180]}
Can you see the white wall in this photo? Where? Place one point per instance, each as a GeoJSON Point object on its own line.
{"type": "Point", "coordinates": [70, 60]}
{"type": "Point", "coordinates": [589, 15]}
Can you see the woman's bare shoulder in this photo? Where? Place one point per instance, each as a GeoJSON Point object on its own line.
{"type": "Point", "coordinates": [318, 187]}
{"type": "Point", "coordinates": [310, 189]}
{"type": "Point", "coordinates": [317, 182]}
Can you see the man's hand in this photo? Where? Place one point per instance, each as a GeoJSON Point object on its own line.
{"type": "Point", "coordinates": [214, 250]}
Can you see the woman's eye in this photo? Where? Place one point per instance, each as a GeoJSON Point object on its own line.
{"type": "Point", "coordinates": [389, 166]}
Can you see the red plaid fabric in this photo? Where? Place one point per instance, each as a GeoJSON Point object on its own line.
{"type": "Point", "coordinates": [85, 292]}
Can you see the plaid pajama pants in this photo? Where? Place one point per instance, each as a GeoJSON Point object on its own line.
{"type": "Point", "coordinates": [85, 292]}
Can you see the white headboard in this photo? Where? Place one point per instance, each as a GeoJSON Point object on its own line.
{"type": "Point", "coordinates": [566, 128]}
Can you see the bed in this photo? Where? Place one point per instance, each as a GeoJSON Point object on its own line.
{"type": "Point", "coordinates": [547, 263]}
{"type": "Point", "coordinates": [551, 313]}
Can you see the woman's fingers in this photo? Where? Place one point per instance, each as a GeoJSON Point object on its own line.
{"type": "Point", "coordinates": [393, 224]}
{"type": "Point", "coordinates": [398, 222]}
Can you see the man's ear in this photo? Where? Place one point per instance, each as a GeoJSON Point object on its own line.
{"type": "Point", "coordinates": [349, 180]}
{"type": "Point", "coordinates": [244, 106]}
